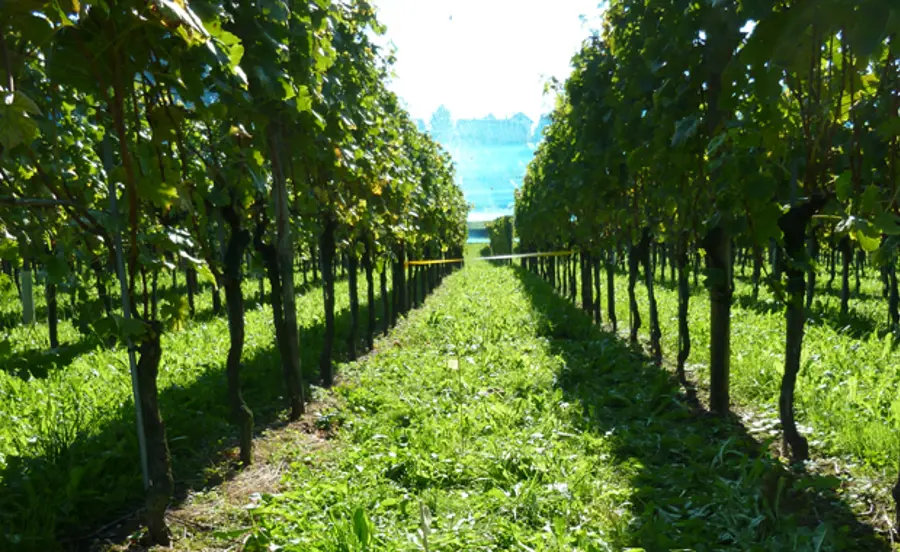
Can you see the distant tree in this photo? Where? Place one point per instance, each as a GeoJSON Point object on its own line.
{"type": "Point", "coordinates": [539, 129]}
{"type": "Point", "coordinates": [521, 118]}
{"type": "Point", "coordinates": [520, 128]}
{"type": "Point", "coordinates": [441, 125]}
{"type": "Point", "coordinates": [500, 232]}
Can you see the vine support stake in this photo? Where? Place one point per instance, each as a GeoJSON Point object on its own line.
{"type": "Point", "coordinates": [126, 313]}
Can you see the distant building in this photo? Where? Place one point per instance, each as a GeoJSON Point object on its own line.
{"type": "Point", "coordinates": [491, 155]}
{"type": "Point", "coordinates": [492, 131]}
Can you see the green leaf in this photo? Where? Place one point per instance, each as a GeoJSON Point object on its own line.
{"type": "Point", "coordinates": [229, 44]}
{"type": "Point", "coordinates": [203, 270]}
{"type": "Point", "coordinates": [288, 88]}
{"type": "Point", "coordinates": [866, 241]}
{"type": "Point", "coordinates": [887, 223]}
{"type": "Point", "coordinates": [206, 274]}
{"type": "Point", "coordinates": [717, 142]}
{"type": "Point", "coordinates": [9, 247]}
{"type": "Point", "coordinates": [685, 129]}
{"type": "Point", "coordinates": [129, 327]}
{"type": "Point", "coordinates": [766, 38]}
{"type": "Point", "coordinates": [178, 13]}
{"type": "Point", "coordinates": [869, 200]}
{"type": "Point", "coordinates": [843, 186]}
{"type": "Point", "coordinates": [71, 6]}
{"type": "Point", "coordinates": [361, 527]}
{"type": "Point", "coordinates": [233, 534]}
{"type": "Point", "coordinates": [824, 482]}
{"type": "Point", "coordinates": [36, 30]}
{"type": "Point", "coordinates": [16, 125]}
{"type": "Point", "coordinates": [890, 128]}
{"type": "Point", "coordinates": [190, 258]}
{"type": "Point", "coordinates": [161, 193]}
{"type": "Point", "coordinates": [57, 269]}
{"type": "Point", "coordinates": [304, 99]}
{"type": "Point", "coordinates": [868, 28]}
{"type": "Point", "coordinates": [258, 158]}
{"type": "Point", "coordinates": [389, 502]}
{"type": "Point", "coordinates": [174, 311]}
{"type": "Point", "coordinates": [765, 222]}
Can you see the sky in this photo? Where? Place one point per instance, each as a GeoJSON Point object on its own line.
{"type": "Point", "coordinates": [481, 57]}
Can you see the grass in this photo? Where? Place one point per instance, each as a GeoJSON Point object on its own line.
{"type": "Point", "coordinates": [68, 451]}
{"type": "Point", "coordinates": [531, 429]}
{"type": "Point", "coordinates": [495, 417]}
{"type": "Point", "coordinates": [846, 401]}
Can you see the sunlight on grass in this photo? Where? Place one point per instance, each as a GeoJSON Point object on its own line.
{"type": "Point", "coordinates": [545, 434]}
{"type": "Point", "coordinates": [847, 388]}
{"type": "Point", "coordinates": [68, 450]}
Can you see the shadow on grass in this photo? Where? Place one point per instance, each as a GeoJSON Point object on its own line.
{"type": "Point", "coordinates": [89, 474]}
{"type": "Point", "coordinates": [822, 287]}
{"type": "Point", "coordinates": [40, 363]}
{"type": "Point", "coordinates": [835, 293]}
{"type": "Point", "coordinates": [670, 285]}
{"type": "Point", "coordinates": [93, 307]}
{"type": "Point", "coordinates": [700, 482]}
{"type": "Point", "coordinates": [10, 319]}
{"type": "Point", "coordinates": [853, 324]}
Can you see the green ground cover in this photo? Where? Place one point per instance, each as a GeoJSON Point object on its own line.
{"type": "Point", "coordinates": [847, 397]}
{"type": "Point", "coordinates": [68, 450]}
{"type": "Point", "coordinates": [498, 417]}
{"type": "Point", "coordinates": [495, 417]}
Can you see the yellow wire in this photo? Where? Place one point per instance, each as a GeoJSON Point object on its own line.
{"type": "Point", "coordinates": [494, 258]}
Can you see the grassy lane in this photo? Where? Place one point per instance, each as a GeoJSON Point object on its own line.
{"type": "Point", "coordinates": [497, 417]}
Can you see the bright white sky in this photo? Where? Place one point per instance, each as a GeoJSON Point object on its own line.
{"type": "Point", "coordinates": [483, 56]}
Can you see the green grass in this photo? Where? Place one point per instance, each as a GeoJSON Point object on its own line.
{"type": "Point", "coordinates": [544, 434]}
{"type": "Point", "coordinates": [498, 417]}
{"type": "Point", "coordinates": [847, 400]}
{"type": "Point", "coordinates": [68, 451]}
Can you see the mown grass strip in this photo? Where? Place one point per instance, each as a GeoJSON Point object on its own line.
{"type": "Point", "coordinates": [545, 434]}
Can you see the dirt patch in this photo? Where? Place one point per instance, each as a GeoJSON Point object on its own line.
{"type": "Point", "coordinates": [215, 517]}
